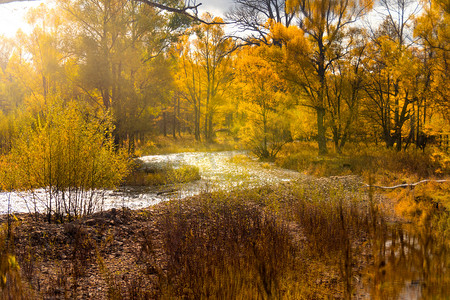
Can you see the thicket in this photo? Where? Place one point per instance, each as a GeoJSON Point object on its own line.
{"type": "Point", "coordinates": [64, 158]}
{"type": "Point", "coordinates": [155, 73]}
{"type": "Point", "coordinates": [259, 244]}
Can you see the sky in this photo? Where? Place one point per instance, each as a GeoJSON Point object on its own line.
{"type": "Point", "coordinates": [12, 14]}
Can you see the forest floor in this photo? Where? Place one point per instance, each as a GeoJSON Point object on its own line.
{"type": "Point", "coordinates": [130, 254]}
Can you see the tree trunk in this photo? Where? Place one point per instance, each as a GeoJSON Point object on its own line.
{"type": "Point", "coordinates": [196, 122]}
{"type": "Point", "coordinates": [179, 116]}
{"type": "Point", "coordinates": [174, 125]}
{"type": "Point", "coordinates": [164, 124]}
{"type": "Point", "coordinates": [265, 151]}
{"type": "Point", "coordinates": [210, 127]}
{"type": "Point", "coordinates": [131, 144]}
{"type": "Point", "coordinates": [336, 138]}
{"type": "Point", "coordinates": [321, 139]}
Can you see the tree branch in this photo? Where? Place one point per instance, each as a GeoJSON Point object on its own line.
{"type": "Point", "coordinates": [190, 11]}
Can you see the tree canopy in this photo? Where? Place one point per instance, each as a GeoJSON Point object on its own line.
{"type": "Point", "coordinates": [298, 70]}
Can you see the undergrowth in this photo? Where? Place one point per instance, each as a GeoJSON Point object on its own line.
{"type": "Point", "coordinates": [161, 176]}
{"type": "Point", "coordinates": [11, 285]}
{"type": "Point", "coordinates": [383, 165]}
{"type": "Point", "coordinates": [185, 143]}
{"type": "Point", "coordinates": [312, 240]}
{"type": "Point", "coordinates": [258, 244]}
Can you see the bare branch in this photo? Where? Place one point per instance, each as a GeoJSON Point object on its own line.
{"type": "Point", "coordinates": [190, 11]}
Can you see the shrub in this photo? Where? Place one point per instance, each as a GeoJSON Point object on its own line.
{"type": "Point", "coordinates": [69, 155]}
{"type": "Point", "coordinates": [267, 140]}
{"type": "Point", "coordinates": [163, 175]}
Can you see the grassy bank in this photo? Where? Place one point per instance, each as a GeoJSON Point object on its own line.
{"type": "Point", "coordinates": [161, 175]}
{"type": "Point", "coordinates": [318, 238]}
{"type": "Point", "coordinates": [384, 166]}
{"type": "Point", "coordinates": [297, 242]}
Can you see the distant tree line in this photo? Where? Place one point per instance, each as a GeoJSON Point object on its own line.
{"type": "Point", "coordinates": [298, 70]}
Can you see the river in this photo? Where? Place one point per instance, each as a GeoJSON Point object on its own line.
{"type": "Point", "coordinates": [218, 170]}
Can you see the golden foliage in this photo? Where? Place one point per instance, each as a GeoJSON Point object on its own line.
{"type": "Point", "coordinates": [68, 154]}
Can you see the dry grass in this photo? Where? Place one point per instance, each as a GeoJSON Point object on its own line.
{"type": "Point", "coordinates": [314, 240]}
{"type": "Point", "coordinates": [384, 166]}
{"type": "Point", "coordinates": [11, 285]}
{"type": "Point", "coordinates": [254, 245]}
{"type": "Point", "coordinates": [166, 175]}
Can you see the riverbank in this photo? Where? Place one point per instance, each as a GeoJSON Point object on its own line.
{"type": "Point", "coordinates": [317, 238]}
{"type": "Point", "coordinates": [383, 166]}
{"type": "Point", "coordinates": [157, 252]}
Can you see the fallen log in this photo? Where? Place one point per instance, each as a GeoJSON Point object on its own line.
{"type": "Point", "coordinates": [404, 185]}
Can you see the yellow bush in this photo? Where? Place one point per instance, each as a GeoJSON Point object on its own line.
{"type": "Point", "coordinates": [69, 155]}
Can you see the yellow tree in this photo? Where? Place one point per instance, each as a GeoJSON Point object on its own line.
{"type": "Point", "coordinates": [388, 98]}
{"type": "Point", "coordinates": [397, 79]}
{"type": "Point", "coordinates": [213, 55]}
{"type": "Point", "coordinates": [188, 79]}
{"type": "Point", "coordinates": [433, 31]}
{"type": "Point", "coordinates": [11, 94]}
{"type": "Point", "coordinates": [35, 71]}
{"type": "Point", "coordinates": [42, 53]}
{"type": "Point", "coordinates": [206, 71]}
{"type": "Point", "coordinates": [11, 91]}
{"type": "Point", "coordinates": [95, 30]}
{"type": "Point", "coordinates": [344, 93]}
{"type": "Point", "coordinates": [320, 41]}
{"type": "Point", "coordinates": [264, 100]}
{"type": "Point", "coordinates": [114, 44]}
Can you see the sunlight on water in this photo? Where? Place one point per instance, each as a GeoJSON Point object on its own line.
{"type": "Point", "coordinates": [217, 170]}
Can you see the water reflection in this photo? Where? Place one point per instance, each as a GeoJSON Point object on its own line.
{"type": "Point", "coordinates": [410, 262]}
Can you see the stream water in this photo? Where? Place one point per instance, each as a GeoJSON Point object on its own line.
{"type": "Point", "coordinates": [218, 170]}
{"type": "Point", "coordinates": [410, 262]}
